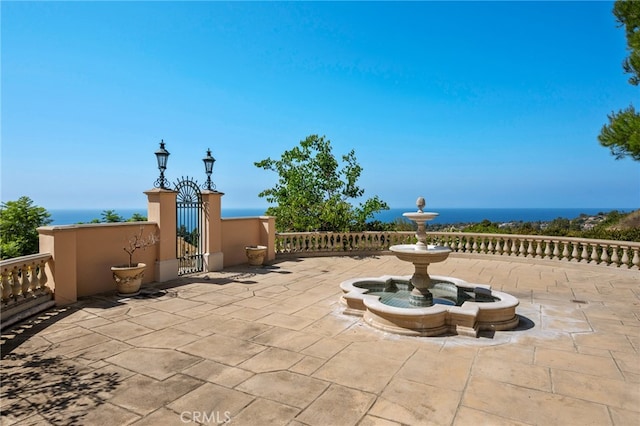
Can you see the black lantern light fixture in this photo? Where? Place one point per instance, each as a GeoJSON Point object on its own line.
{"type": "Point", "coordinates": [162, 155]}
{"type": "Point", "coordinates": [208, 169]}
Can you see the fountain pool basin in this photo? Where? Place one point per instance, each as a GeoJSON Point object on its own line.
{"type": "Point", "coordinates": [458, 307]}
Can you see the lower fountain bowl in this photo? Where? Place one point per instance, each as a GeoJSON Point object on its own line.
{"type": "Point", "coordinates": [410, 253]}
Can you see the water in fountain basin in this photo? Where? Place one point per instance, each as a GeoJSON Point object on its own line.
{"type": "Point", "coordinates": [396, 293]}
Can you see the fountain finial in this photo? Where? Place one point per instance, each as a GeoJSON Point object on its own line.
{"type": "Point", "coordinates": [420, 203]}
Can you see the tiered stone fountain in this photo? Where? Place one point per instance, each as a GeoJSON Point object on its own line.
{"type": "Point", "coordinates": [424, 305]}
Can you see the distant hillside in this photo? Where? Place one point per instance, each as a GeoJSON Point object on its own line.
{"type": "Point", "coordinates": [630, 221]}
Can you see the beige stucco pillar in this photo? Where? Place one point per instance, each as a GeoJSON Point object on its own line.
{"type": "Point", "coordinates": [213, 256]}
{"type": "Point", "coordinates": [268, 235]}
{"type": "Point", "coordinates": [61, 243]}
{"type": "Point", "coordinates": [161, 208]}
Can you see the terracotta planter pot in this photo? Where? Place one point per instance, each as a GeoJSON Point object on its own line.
{"type": "Point", "coordinates": [256, 254]}
{"type": "Point", "coordinates": [128, 279]}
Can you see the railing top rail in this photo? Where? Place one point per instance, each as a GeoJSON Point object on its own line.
{"type": "Point", "coordinates": [287, 234]}
{"type": "Point", "coordinates": [24, 259]}
{"type": "Point", "coordinates": [70, 227]}
{"type": "Point", "coordinates": [540, 237]}
{"type": "Point", "coordinates": [631, 244]}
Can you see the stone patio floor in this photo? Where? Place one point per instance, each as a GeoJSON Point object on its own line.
{"type": "Point", "coordinates": [270, 346]}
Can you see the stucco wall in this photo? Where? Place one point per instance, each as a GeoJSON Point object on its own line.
{"type": "Point", "coordinates": [237, 233]}
{"type": "Point", "coordinates": [84, 254]}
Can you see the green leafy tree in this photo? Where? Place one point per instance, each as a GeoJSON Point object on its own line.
{"type": "Point", "coordinates": [627, 13]}
{"type": "Point", "coordinates": [137, 217]}
{"type": "Point", "coordinates": [486, 226]}
{"type": "Point", "coordinates": [110, 216]}
{"type": "Point", "coordinates": [622, 134]}
{"type": "Point", "coordinates": [314, 189]}
{"type": "Point", "coordinates": [19, 221]}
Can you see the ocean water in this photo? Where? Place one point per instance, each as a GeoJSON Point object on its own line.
{"type": "Point", "coordinates": [473, 215]}
{"type": "Point", "coordinates": [446, 215]}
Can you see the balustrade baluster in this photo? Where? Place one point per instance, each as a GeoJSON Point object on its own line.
{"type": "Point", "coordinates": [33, 276]}
{"type": "Point", "coordinates": [574, 253]}
{"type": "Point", "coordinates": [43, 278]}
{"type": "Point", "coordinates": [556, 249]}
{"type": "Point", "coordinates": [24, 280]}
{"type": "Point", "coordinates": [636, 258]}
{"type": "Point", "coordinates": [15, 282]}
{"type": "Point", "coordinates": [530, 250]}
{"type": "Point", "coordinates": [594, 254]}
{"type": "Point", "coordinates": [521, 249]}
{"type": "Point", "coordinates": [499, 246]}
{"type": "Point", "coordinates": [490, 246]}
{"type": "Point", "coordinates": [445, 242]}
{"type": "Point", "coordinates": [604, 256]}
{"type": "Point", "coordinates": [474, 247]}
{"type": "Point", "coordinates": [547, 249]}
{"type": "Point", "coordinates": [625, 257]}
{"type": "Point", "coordinates": [483, 246]}
{"type": "Point", "coordinates": [467, 246]}
{"type": "Point", "coordinates": [614, 255]}
{"type": "Point", "coordinates": [6, 285]}
{"type": "Point", "coordinates": [585, 254]}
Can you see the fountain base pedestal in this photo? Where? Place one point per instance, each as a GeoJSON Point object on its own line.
{"type": "Point", "coordinates": [421, 297]}
{"type": "Point", "coordinates": [420, 294]}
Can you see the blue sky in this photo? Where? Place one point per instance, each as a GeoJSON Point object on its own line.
{"type": "Point", "coordinates": [470, 104]}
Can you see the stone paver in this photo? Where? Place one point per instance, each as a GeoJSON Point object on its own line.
{"type": "Point", "coordinates": [257, 346]}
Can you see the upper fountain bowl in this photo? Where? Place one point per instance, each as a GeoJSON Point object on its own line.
{"type": "Point", "coordinates": [420, 217]}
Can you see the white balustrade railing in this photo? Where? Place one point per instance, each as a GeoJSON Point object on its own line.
{"type": "Point", "coordinates": [624, 254]}
{"type": "Point", "coordinates": [23, 284]}
{"type": "Point", "coordinates": [339, 242]}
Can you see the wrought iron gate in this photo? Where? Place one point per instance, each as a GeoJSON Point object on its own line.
{"type": "Point", "coordinates": [190, 227]}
